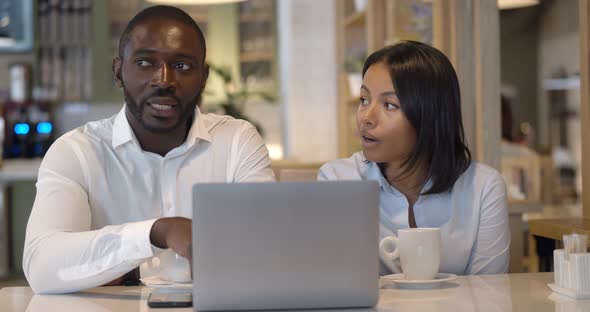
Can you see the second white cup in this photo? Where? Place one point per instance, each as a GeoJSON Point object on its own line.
{"type": "Point", "coordinates": [418, 250]}
{"type": "Point", "coordinates": [174, 268]}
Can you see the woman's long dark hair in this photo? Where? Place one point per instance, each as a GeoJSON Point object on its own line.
{"type": "Point", "coordinates": [428, 89]}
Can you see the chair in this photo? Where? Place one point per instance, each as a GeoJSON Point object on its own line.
{"type": "Point", "coordinates": [521, 171]}
{"type": "Point", "coordinates": [294, 171]}
{"type": "Point", "coordinates": [297, 175]}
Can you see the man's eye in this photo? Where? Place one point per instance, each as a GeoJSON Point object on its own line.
{"type": "Point", "coordinates": [143, 63]}
{"type": "Point", "coordinates": [182, 66]}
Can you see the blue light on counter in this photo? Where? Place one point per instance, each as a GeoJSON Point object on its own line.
{"type": "Point", "coordinates": [44, 127]}
{"type": "Point", "coordinates": [21, 128]}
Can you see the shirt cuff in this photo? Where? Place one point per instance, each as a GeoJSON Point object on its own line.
{"type": "Point", "coordinates": [156, 250]}
{"type": "Point", "coordinates": [136, 239]}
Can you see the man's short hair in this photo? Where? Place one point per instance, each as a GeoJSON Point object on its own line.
{"type": "Point", "coordinates": [160, 12]}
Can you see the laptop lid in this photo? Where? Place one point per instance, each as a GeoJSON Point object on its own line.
{"type": "Point", "coordinates": [290, 245]}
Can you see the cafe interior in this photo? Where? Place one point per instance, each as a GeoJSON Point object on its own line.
{"type": "Point", "coordinates": [293, 69]}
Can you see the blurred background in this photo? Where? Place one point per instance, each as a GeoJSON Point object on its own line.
{"type": "Point", "coordinates": [292, 68]}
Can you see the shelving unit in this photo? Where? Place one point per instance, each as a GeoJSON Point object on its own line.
{"type": "Point", "coordinates": [257, 57]}
{"type": "Point", "coordinates": [120, 13]}
{"type": "Point", "coordinates": [353, 49]}
{"type": "Point", "coordinates": [257, 45]}
{"type": "Point", "coordinates": [257, 17]}
{"type": "Point", "coordinates": [76, 40]}
{"type": "Point", "coordinates": [63, 47]}
{"type": "Point", "coordinates": [364, 27]}
{"type": "Point", "coordinates": [80, 66]}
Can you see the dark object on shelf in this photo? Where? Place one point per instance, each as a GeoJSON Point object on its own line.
{"type": "Point", "coordinates": [27, 116]}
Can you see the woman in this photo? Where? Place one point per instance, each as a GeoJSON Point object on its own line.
{"type": "Point", "coordinates": [409, 121]}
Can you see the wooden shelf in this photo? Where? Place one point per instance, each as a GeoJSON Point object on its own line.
{"type": "Point", "coordinates": [256, 57]}
{"type": "Point", "coordinates": [63, 44]}
{"type": "Point", "coordinates": [356, 19]}
{"type": "Point", "coordinates": [256, 18]}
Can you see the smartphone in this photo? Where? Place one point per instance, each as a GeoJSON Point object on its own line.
{"type": "Point", "coordinates": [170, 298]}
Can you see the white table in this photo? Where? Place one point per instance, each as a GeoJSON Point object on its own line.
{"type": "Point", "coordinates": [508, 292]}
{"type": "Point", "coordinates": [13, 170]}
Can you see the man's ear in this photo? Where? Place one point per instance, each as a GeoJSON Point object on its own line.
{"type": "Point", "coordinates": [205, 75]}
{"type": "Point", "coordinates": [116, 67]}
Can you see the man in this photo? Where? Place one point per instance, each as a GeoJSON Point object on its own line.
{"type": "Point", "coordinates": [115, 192]}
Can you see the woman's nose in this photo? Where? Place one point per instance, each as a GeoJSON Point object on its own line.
{"type": "Point", "coordinates": [369, 115]}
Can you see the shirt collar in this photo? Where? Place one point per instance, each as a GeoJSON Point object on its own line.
{"type": "Point", "coordinates": [122, 132]}
{"type": "Point", "coordinates": [198, 129]}
{"type": "Point", "coordinates": [374, 173]}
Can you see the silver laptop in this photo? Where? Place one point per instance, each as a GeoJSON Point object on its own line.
{"type": "Point", "coordinates": [293, 245]}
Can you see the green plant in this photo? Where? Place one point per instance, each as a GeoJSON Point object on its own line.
{"type": "Point", "coordinates": [235, 99]}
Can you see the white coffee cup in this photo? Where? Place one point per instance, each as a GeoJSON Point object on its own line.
{"type": "Point", "coordinates": [418, 250]}
{"type": "Point", "coordinates": [174, 268]}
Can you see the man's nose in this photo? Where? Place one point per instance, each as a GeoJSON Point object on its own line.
{"type": "Point", "coordinates": [165, 78]}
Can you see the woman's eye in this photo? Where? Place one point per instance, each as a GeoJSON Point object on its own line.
{"type": "Point", "coordinates": [143, 63]}
{"type": "Point", "coordinates": [363, 101]}
{"type": "Point", "coordinates": [182, 66]}
{"type": "Point", "coordinates": [391, 106]}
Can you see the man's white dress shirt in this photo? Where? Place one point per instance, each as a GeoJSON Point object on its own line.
{"type": "Point", "coordinates": [98, 194]}
{"type": "Point", "coordinates": [472, 217]}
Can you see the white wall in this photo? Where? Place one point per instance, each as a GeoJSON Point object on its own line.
{"type": "Point", "coordinates": [268, 115]}
{"type": "Point", "coordinates": [308, 73]}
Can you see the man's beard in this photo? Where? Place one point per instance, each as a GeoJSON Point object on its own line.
{"type": "Point", "coordinates": [185, 116]}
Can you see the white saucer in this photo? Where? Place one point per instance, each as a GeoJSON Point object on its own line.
{"type": "Point", "coordinates": [156, 282]}
{"type": "Point", "coordinates": [399, 280]}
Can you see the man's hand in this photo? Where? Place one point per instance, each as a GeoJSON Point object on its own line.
{"type": "Point", "coordinates": [131, 275]}
{"type": "Point", "coordinates": [174, 233]}
{"type": "Point", "coordinates": [116, 282]}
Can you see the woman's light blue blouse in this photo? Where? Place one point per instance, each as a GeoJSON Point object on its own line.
{"type": "Point", "coordinates": [472, 217]}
